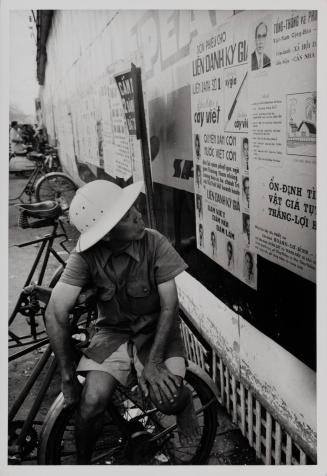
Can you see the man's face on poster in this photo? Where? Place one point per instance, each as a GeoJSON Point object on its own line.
{"type": "Point", "coordinates": [246, 188]}
{"type": "Point", "coordinates": [249, 263]}
{"type": "Point", "coordinates": [197, 145]}
{"type": "Point", "coordinates": [261, 36]}
{"type": "Point", "coordinates": [246, 150]}
{"type": "Point", "coordinates": [201, 233]}
{"type": "Point", "coordinates": [213, 240]}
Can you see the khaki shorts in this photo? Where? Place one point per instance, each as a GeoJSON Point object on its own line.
{"type": "Point", "coordinates": [120, 365]}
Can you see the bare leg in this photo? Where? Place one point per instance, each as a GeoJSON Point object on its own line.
{"type": "Point", "coordinates": [187, 422]}
{"type": "Point", "coordinates": [97, 391]}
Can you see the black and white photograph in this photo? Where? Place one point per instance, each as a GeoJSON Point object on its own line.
{"type": "Point", "coordinates": [161, 287]}
{"type": "Point", "coordinates": [230, 255]}
{"type": "Point", "coordinates": [246, 191]}
{"type": "Point", "coordinates": [246, 228]}
{"type": "Point", "coordinates": [198, 176]}
{"type": "Point", "coordinates": [249, 267]}
{"type": "Point", "coordinates": [259, 57]}
{"type": "Point", "coordinates": [245, 154]}
{"type": "Point", "coordinates": [213, 244]}
{"type": "Point", "coordinates": [199, 206]}
{"type": "Point", "coordinates": [197, 146]}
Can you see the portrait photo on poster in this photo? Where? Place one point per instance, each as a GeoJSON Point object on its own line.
{"type": "Point", "coordinates": [260, 56]}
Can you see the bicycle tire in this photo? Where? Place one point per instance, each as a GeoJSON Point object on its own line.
{"type": "Point", "coordinates": [57, 443]}
{"type": "Point", "coordinates": [56, 186]}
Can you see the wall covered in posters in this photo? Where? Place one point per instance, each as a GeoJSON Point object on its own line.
{"type": "Point", "coordinates": [254, 135]}
{"type": "Point", "coordinates": [231, 108]}
{"type": "Point", "coordinates": [164, 38]}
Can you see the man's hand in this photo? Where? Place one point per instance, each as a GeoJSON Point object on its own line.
{"type": "Point", "coordinates": [163, 383]}
{"type": "Point", "coordinates": [71, 390]}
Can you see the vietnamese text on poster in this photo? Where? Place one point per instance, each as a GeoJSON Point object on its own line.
{"type": "Point", "coordinates": [253, 94]}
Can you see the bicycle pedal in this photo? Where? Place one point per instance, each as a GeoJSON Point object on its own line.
{"type": "Point", "coordinates": [14, 456]}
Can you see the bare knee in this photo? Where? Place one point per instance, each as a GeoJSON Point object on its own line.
{"type": "Point", "coordinates": [95, 397]}
{"type": "Point", "coordinates": [92, 404]}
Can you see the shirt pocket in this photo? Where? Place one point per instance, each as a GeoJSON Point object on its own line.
{"type": "Point", "coordinates": [106, 291]}
{"type": "Point", "coordinates": [142, 298]}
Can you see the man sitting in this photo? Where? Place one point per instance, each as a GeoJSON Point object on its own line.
{"type": "Point", "coordinates": [133, 269]}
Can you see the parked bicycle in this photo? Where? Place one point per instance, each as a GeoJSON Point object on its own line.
{"type": "Point", "coordinates": [38, 215]}
{"type": "Point", "coordinates": [45, 184]}
{"type": "Point", "coordinates": [31, 304]}
{"type": "Point", "coordinates": [23, 434]}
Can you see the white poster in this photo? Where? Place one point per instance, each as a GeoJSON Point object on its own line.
{"type": "Point", "coordinates": [119, 151]}
{"type": "Point", "coordinates": [220, 126]}
{"type": "Point", "coordinates": [121, 147]}
{"type": "Point", "coordinates": [253, 94]}
{"type": "Point", "coordinates": [126, 93]}
{"type": "Point", "coordinates": [107, 128]}
{"type": "Point", "coordinates": [282, 104]}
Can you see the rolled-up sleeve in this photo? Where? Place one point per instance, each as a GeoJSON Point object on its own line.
{"type": "Point", "coordinates": [168, 263]}
{"type": "Point", "coordinates": [76, 271]}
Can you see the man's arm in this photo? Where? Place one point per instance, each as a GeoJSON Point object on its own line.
{"type": "Point", "coordinates": [155, 373]}
{"type": "Point", "coordinates": [62, 300]}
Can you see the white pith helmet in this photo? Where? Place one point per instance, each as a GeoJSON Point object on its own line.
{"type": "Point", "coordinates": [97, 207]}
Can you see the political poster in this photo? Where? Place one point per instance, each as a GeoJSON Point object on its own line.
{"type": "Point", "coordinates": [125, 88]}
{"type": "Point", "coordinates": [253, 101]}
{"type": "Point", "coordinates": [220, 126]}
{"type": "Point", "coordinates": [282, 104]}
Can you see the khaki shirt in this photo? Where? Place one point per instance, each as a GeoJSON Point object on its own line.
{"type": "Point", "coordinates": [127, 292]}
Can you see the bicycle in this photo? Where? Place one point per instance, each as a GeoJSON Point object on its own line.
{"type": "Point", "coordinates": [43, 184]}
{"type": "Point", "coordinates": [22, 434]}
{"type": "Point", "coordinates": [135, 431]}
{"type": "Point", "coordinates": [48, 213]}
{"type": "Point", "coordinates": [31, 303]}
{"type": "Point", "coordinates": [52, 159]}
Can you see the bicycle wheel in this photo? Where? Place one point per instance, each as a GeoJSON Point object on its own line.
{"type": "Point", "coordinates": [56, 186]}
{"type": "Point", "coordinates": [144, 436]}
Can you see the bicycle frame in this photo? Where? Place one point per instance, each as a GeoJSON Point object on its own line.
{"type": "Point", "coordinates": [46, 249]}
{"type": "Point", "coordinates": [29, 421]}
{"type": "Point", "coordinates": [38, 170]}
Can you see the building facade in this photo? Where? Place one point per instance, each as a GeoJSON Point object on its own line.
{"type": "Point", "coordinates": [233, 183]}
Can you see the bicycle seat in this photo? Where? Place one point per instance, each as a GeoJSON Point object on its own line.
{"type": "Point", "coordinates": [35, 156]}
{"type": "Point", "coordinates": [47, 209]}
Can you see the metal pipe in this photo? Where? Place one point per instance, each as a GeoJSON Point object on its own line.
{"type": "Point", "coordinates": [37, 402]}
{"type": "Point", "coordinates": [141, 133]}
{"type": "Point", "coordinates": [29, 384]}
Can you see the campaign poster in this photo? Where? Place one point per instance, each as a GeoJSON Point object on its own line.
{"type": "Point", "coordinates": [105, 115]}
{"type": "Point", "coordinates": [121, 145]}
{"type": "Point", "coordinates": [253, 94]}
{"type": "Point", "coordinates": [282, 129]}
{"type": "Point", "coordinates": [220, 127]}
{"type": "Point", "coordinates": [117, 149]}
{"type": "Point", "coordinates": [125, 87]}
